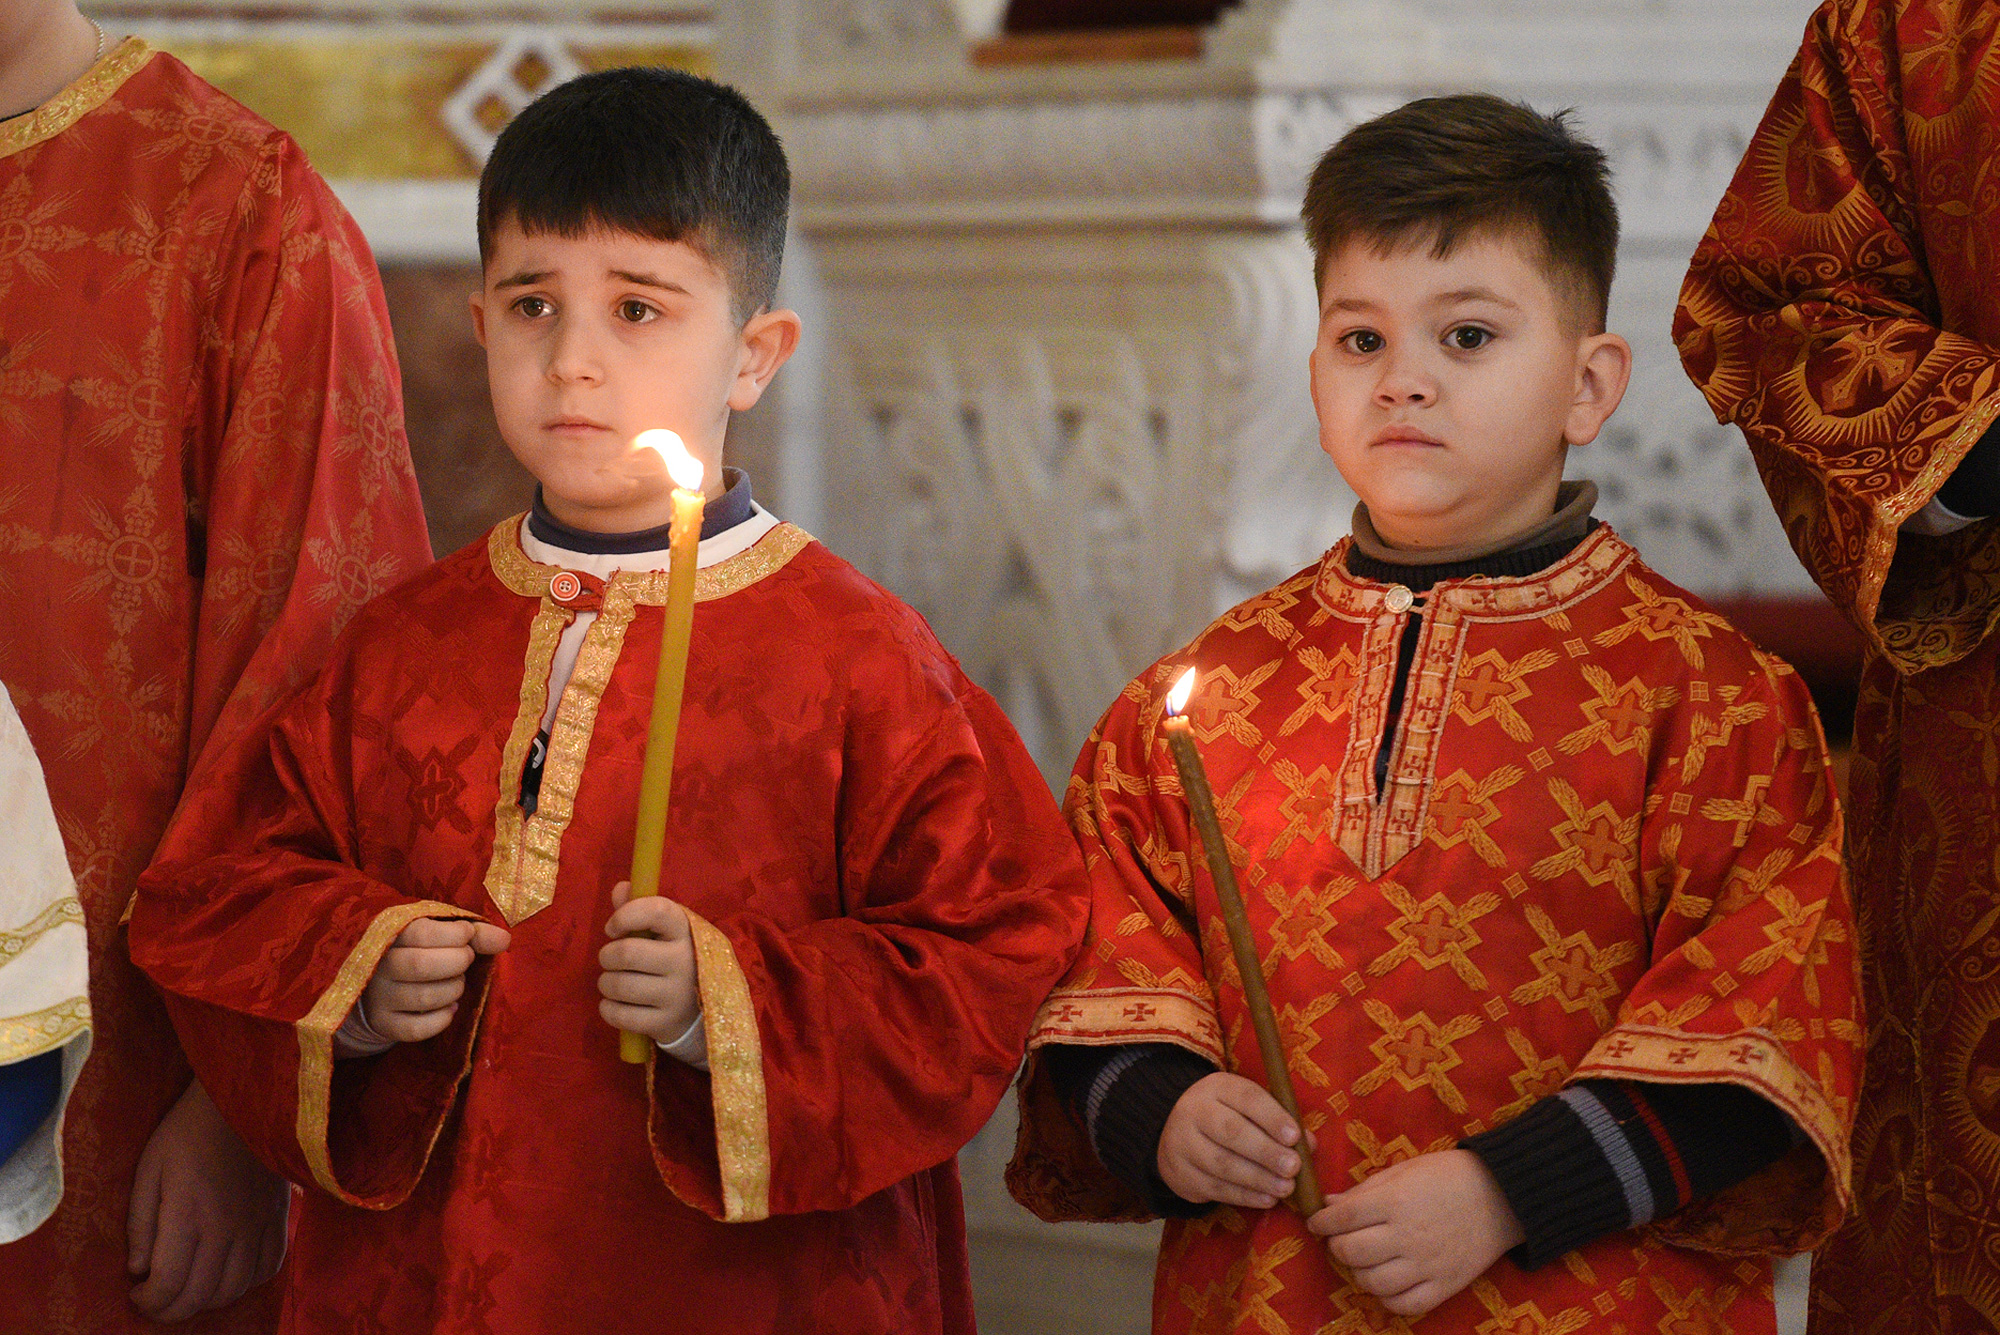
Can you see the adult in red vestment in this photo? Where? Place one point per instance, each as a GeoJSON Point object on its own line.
{"type": "Point", "coordinates": [1607, 847]}
{"type": "Point", "coordinates": [880, 891]}
{"type": "Point", "coordinates": [1842, 311]}
{"type": "Point", "coordinates": [200, 424]}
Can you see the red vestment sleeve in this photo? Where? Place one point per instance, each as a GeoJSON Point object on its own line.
{"type": "Point", "coordinates": [303, 500]}
{"type": "Point", "coordinates": [261, 933]}
{"type": "Point", "coordinates": [1833, 312]}
{"type": "Point", "coordinates": [850, 1053]}
{"type": "Point", "coordinates": [1131, 822]}
{"type": "Point", "coordinates": [1752, 977]}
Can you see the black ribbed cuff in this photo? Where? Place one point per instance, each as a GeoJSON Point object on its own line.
{"type": "Point", "coordinates": [1132, 1111]}
{"type": "Point", "coordinates": [1558, 1183]}
{"type": "Point", "coordinates": [1072, 1069]}
{"type": "Point", "coordinates": [1973, 489]}
{"type": "Point", "coordinates": [1722, 1134]}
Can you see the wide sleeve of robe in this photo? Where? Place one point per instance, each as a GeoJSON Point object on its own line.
{"type": "Point", "coordinates": [852, 1052]}
{"type": "Point", "coordinates": [303, 502]}
{"type": "Point", "coordinates": [1140, 977]}
{"type": "Point", "coordinates": [261, 931]}
{"type": "Point", "coordinates": [1839, 310]}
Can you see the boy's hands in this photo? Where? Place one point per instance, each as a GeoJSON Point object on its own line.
{"type": "Point", "coordinates": [1228, 1140]}
{"type": "Point", "coordinates": [649, 975]}
{"type": "Point", "coordinates": [207, 1221]}
{"type": "Point", "coordinates": [416, 987]}
{"type": "Point", "coordinates": [1419, 1231]}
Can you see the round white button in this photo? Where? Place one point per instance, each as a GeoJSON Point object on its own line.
{"type": "Point", "coordinates": [1399, 598]}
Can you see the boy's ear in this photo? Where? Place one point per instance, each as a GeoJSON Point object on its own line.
{"type": "Point", "coordinates": [769, 339]}
{"type": "Point", "coordinates": [1603, 370]}
{"type": "Point", "coordinates": [478, 300]}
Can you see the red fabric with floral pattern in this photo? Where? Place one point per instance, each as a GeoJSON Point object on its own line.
{"type": "Point", "coordinates": [1841, 310]}
{"type": "Point", "coordinates": [206, 476]}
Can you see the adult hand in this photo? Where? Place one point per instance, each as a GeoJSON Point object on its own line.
{"type": "Point", "coordinates": [207, 1222]}
{"type": "Point", "coordinates": [1417, 1232]}
{"type": "Point", "coordinates": [649, 969]}
{"type": "Point", "coordinates": [1228, 1140]}
{"type": "Point", "coordinates": [415, 990]}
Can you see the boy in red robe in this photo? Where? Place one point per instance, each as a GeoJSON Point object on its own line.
{"type": "Point", "coordinates": [390, 936]}
{"type": "Point", "coordinates": [1542, 858]}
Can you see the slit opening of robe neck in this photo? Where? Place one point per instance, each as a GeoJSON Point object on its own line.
{"type": "Point", "coordinates": [731, 524]}
{"type": "Point", "coordinates": [1518, 556]}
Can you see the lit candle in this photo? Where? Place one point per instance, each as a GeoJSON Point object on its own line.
{"type": "Point", "coordinates": [656, 779]}
{"type": "Point", "coordinates": [1306, 1197]}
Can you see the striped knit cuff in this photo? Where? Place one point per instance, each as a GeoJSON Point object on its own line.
{"type": "Point", "coordinates": [1639, 1148]}
{"type": "Point", "coordinates": [1557, 1179]}
{"type": "Point", "coordinates": [1609, 1154]}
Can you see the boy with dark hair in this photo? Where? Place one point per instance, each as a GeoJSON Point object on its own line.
{"type": "Point", "coordinates": [1543, 859]}
{"type": "Point", "coordinates": [383, 933]}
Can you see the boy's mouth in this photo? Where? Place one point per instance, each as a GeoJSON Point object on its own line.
{"type": "Point", "coordinates": [574, 424]}
{"type": "Point", "coordinates": [1404, 435]}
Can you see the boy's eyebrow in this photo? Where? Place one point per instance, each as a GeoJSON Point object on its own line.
{"type": "Point", "coordinates": [1486, 294]}
{"type": "Point", "coordinates": [524, 278]}
{"type": "Point", "coordinates": [1456, 297]}
{"type": "Point", "coordinates": [648, 280]}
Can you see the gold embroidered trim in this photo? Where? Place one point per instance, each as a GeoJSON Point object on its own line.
{"type": "Point", "coordinates": [1596, 560]}
{"type": "Point", "coordinates": [648, 588]}
{"type": "Point", "coordinates": [1413, 767]}
{"type": "Point", "coordinates": [527, 850]}
{"type": "Point", "coordinates": [1753, 1059]}
{"type": "Point", "coordinates": [1105, 1016]}
{"type": "Point", "coordinates": [316, 1031]}
{"type": "Point", "coordinates": [534, 888]}
{"type": "Point", "coordinates": [736, 1075]}
{"type": "Point", "coordinates": [1353, 825]}
{"type": "Point", "coordinates": [59, 914]}
{"type": "Point", "coordinates": [1882, 537]}
{"type": "Point", "coordinates": [508, 876]}
{"type": "Point", "coordinates": [73, 103]}
{"type": "Point", "coordinates": [25, 1036]}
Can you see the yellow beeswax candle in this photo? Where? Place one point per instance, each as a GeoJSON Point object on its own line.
{"type": "Point", "coordinates": [656, 779]}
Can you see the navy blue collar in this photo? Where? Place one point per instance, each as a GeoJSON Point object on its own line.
{"type": "Point", "coordinates": [725, 512]}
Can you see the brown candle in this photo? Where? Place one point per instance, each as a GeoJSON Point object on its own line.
{"type": "Point", "coordinates": [1306, 1198]}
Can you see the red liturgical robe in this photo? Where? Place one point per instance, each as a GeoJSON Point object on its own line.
{"type": "Point", "coordinates": [201, 423]}
{"type": "Point", "coordinates": [1842, 310]}
{"type": "Point", "coordinates": [882, 893]}
{"type": "Point", "coordinates": [1609, 848]}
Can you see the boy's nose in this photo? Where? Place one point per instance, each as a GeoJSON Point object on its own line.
{"type": "Point", "coordinates": [1402, 385]}
{"type": "Point", "coordinates": [573, 355]}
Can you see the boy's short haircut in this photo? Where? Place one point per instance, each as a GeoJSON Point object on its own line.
{"type": "Point", "coordinates": [1446, 168]}
{"type": "Point", "coordinates": [654, 152]}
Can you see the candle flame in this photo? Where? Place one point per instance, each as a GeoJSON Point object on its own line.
{"type": "Point", "coordinates": [684, 468]}
{"type": "Point", "coordinates": [1177, 698]}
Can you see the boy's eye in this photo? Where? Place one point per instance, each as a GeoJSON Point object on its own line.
{"type": "Point", "coordinates": [634, 311]}
{"type": "Point", "coordinates": [1469, 337]}
{"type": "Point", "coordinates": [1363, 341]}
{"type": "Point", "coordinates": [533, 307]}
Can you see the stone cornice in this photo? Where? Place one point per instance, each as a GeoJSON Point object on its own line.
{"type": "Point", "coordinates": [901, 131]}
